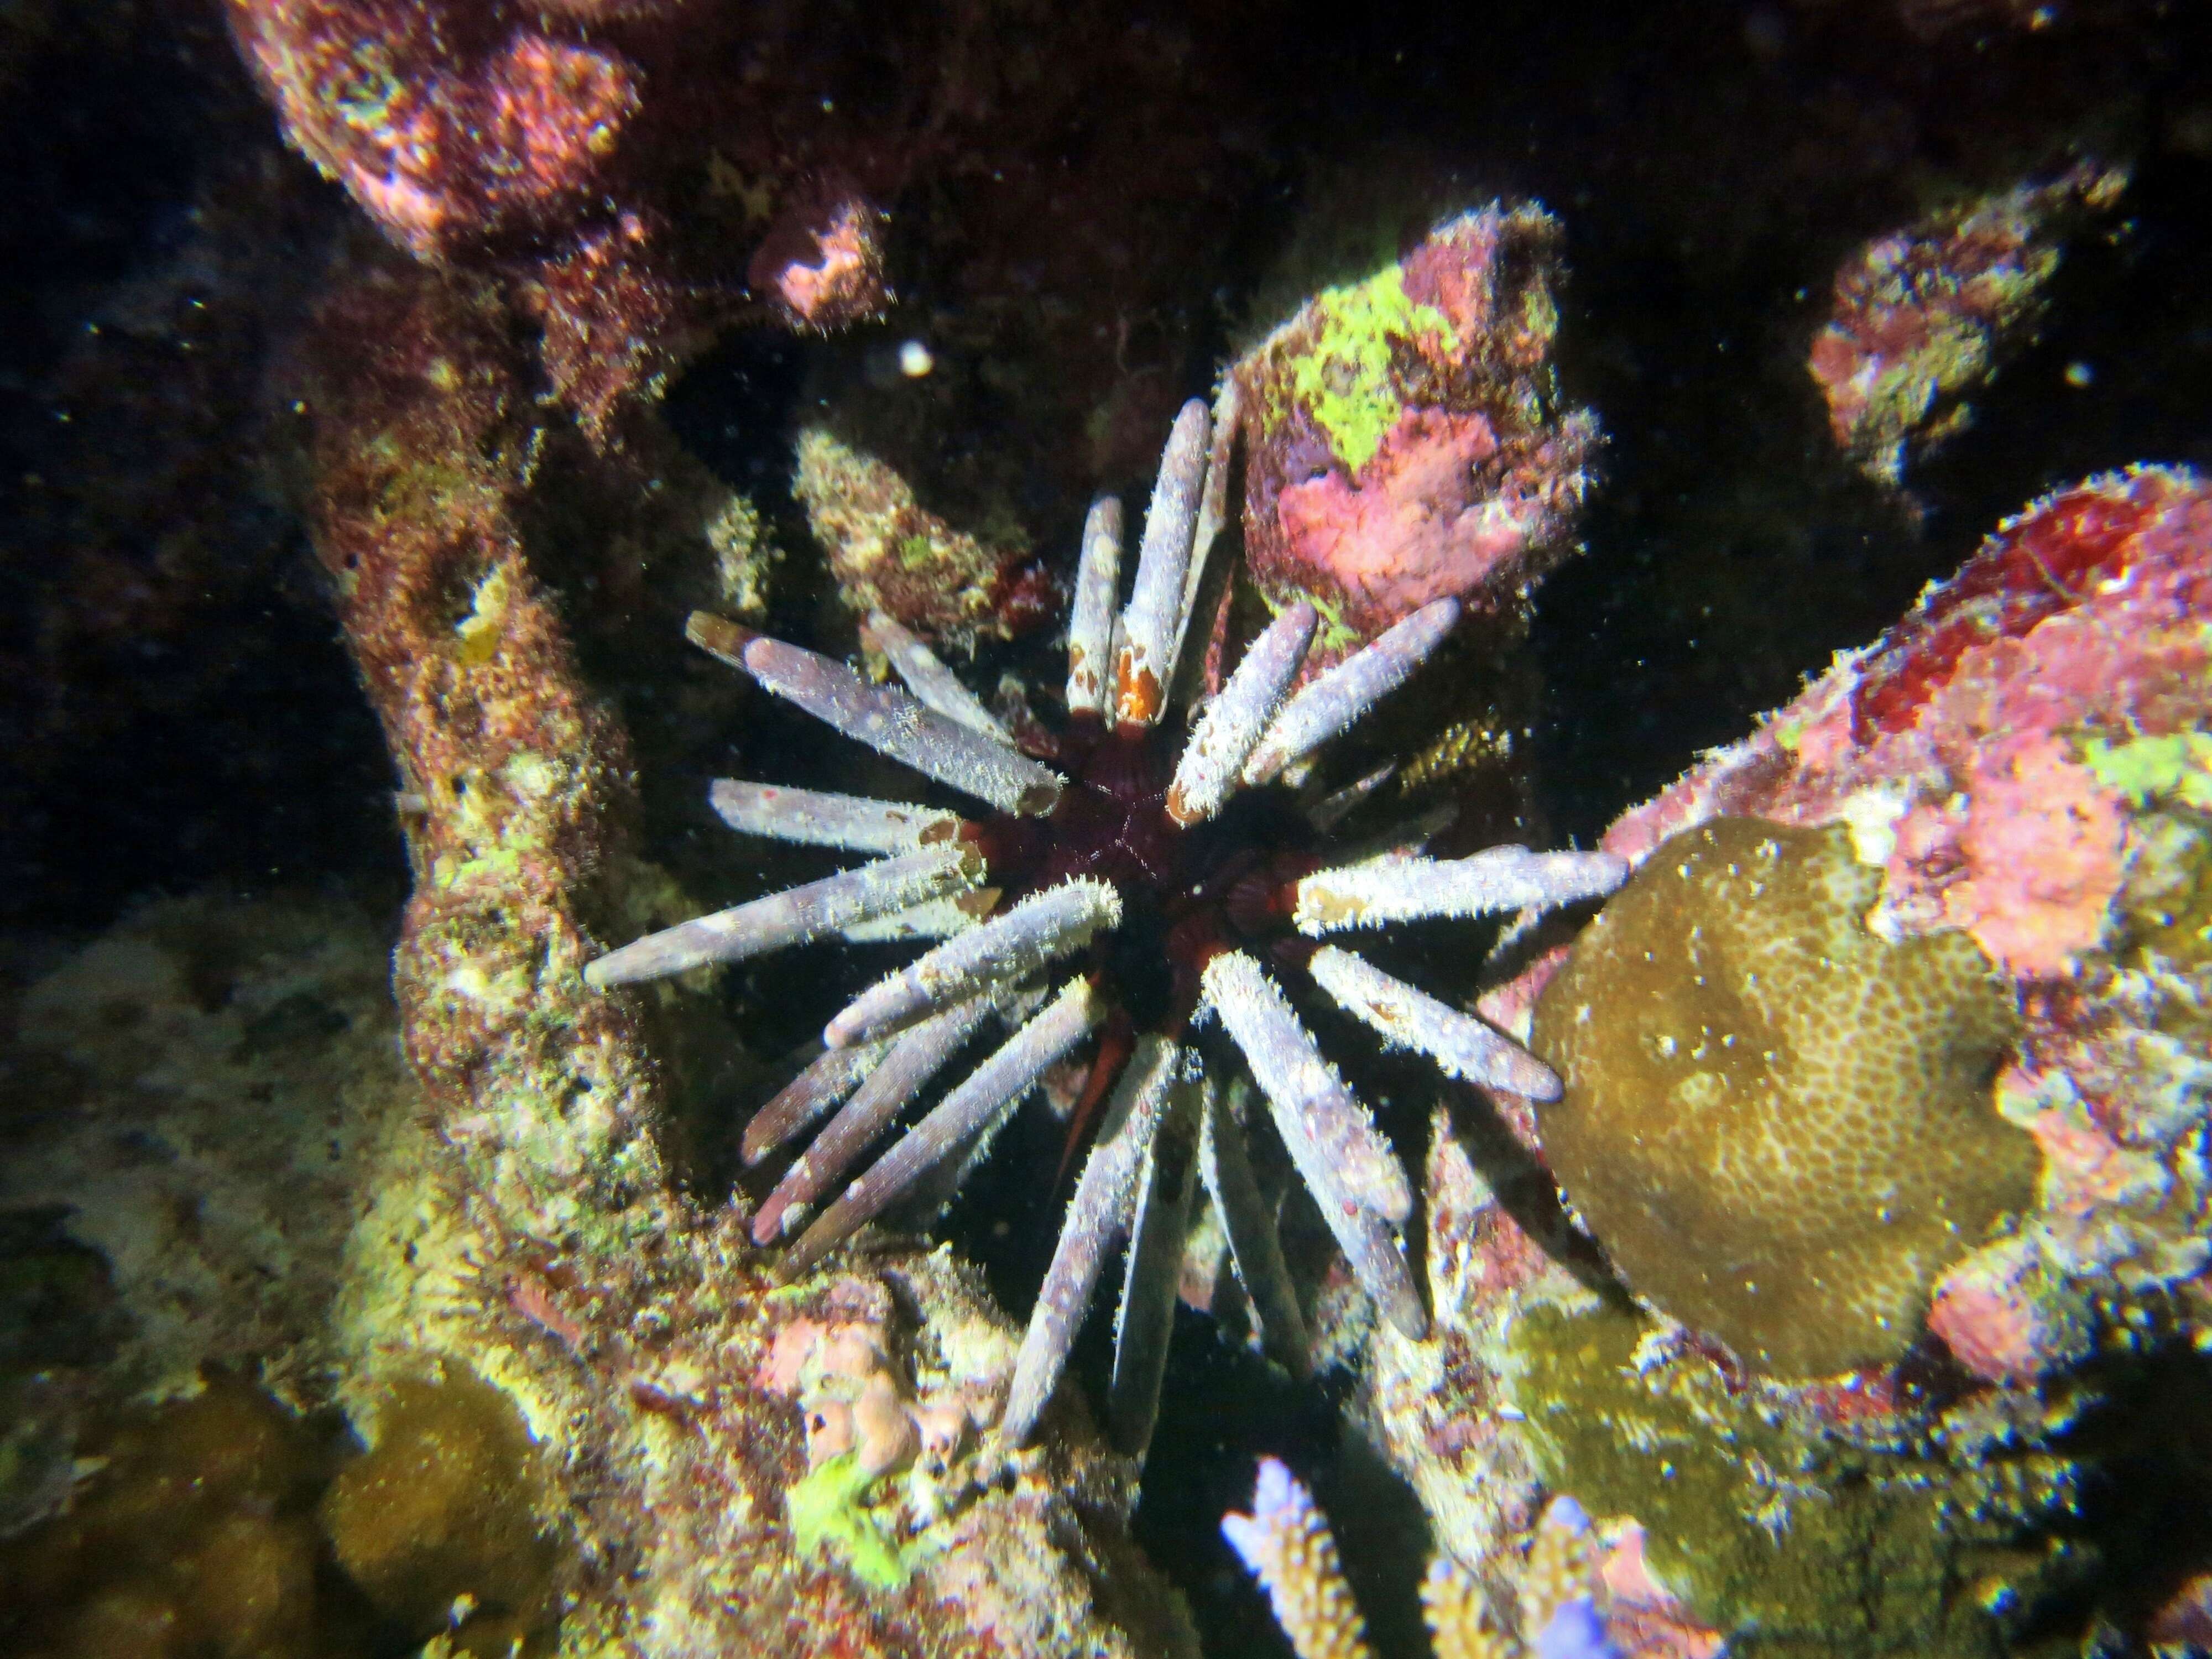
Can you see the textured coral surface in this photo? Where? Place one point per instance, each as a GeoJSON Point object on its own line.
{"type": "Point", "coordinates": [2050, 696]}
{"type": "Point", "coordinates": [1779, 1125]}
{"type": "Point", "coordinates": [2015, 757]}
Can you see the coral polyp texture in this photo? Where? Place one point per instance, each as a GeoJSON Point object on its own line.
{"type": "Point", "coordinates": [1922, 319]}
{"type": "Point", "coordinates": [1405, 439]}
{"type": "Point", "coordinates": [1781, 1124]}
{"type": "Point", "coordinates": [2021, 759]}
{"type": "Point", "coordinates": [1174, 888]}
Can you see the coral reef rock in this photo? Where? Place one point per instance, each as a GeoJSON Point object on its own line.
{"type": "Point", "coordinates": [893, 556]}
{"type": "Point", "coordinates": [1924, 318]}
{"type": "Point", "coordinates": [206, 1092]}
{"type": "Point", "coordinates": [1404, 439]}
{"type": "Point", "coordinates": [537, 1243]}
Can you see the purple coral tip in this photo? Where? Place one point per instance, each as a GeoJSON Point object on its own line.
{"type": "Point", "coordinates": [1575, 1630]}
{"type": "Point", "coordinates": [1567, 1513]}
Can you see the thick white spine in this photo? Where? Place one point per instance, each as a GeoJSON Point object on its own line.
{"type": "Point", "coordinates": [818, 819]}
{"type": "Point", "coordinates": [1097, 1219]}
{"type": "Point", "coordinates": [1159, 1222]}
{"type": "Point", "coordinates": [1372, 1250]}
{"type": "Point", "coordinates": [935, 685]}
{"type": "Point", "coordinates": [898, 1072]}
{"type": "Point", "coordinates": [1345, 1164]}
{"type": "Point", "coordinates": [1090, 626]}
{"type": "Point", "coordinates": [793, 917]}
{"type": "Point", "coordinates": [1406, 889]}
{"type": "Point", "coordinates": [969, 1110]}
{"type": "Point", "coordinates": [1338, 697]}
{"type": "Point", "coordinates": [1229, 729]}
{"type": "Point", "coordinates": [1041, 927]}
{"type": "Point", "coordinates": [807, 1097]}
{"type": "Point", "coordinates": [1349, 1155]}
{"type": "Point", "coordinates": [1151, 626]}
{"type": "Point", "coordinates": [884, 718]}
{"type": "Point", "coordinates": [1465, 1047]}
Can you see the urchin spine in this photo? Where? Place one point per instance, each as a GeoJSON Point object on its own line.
{"type": "Point", "coordinates": [886, 719]}
{"type": "Point", "coordinates": [824, 1082]}
{"type": "Point", "coordinates": [1230, 727]}
{"type": "Point", "coordinates": [1254, 1246]}
{"type": "Point", "coordinates": [1090, 626]}
{"type": "Point", "coordinates": [1407, 888]}
{"type": "Point", "coordinates": [902, 1069]}
{"type": "Point", "coordinates": [933, 683]}
{"type": "Point", "coordinates": [1338, 698]}
{"type": "Point", "coordinates": [1097, 1219]}
{"type": "Point", "coordinates": [1303, 1087]}
{"type": "Point", "coordinates": [793, 916]}
{"type": "Point", "coordinates": [1041, 927]}
{"type": "Point", "coordinates": [1159, 1223]}
{"type": "Point", "coordinates": [966, 1112]}
{"type": "Point", "coordinates": [1463, 1045]}
{"type": "Point", "coordinates": [1349, 1168]}
{"type": "Point", "coordinates": [814, 817]}
{"type": "Point", "coordinates": [1151, 626]}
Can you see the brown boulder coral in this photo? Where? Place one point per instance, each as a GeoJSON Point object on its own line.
{"type": "Point", "coordinates": [1779, 1123]}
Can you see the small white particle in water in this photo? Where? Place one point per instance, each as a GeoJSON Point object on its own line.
{"type": "Point", "coordinates": [915, 360]}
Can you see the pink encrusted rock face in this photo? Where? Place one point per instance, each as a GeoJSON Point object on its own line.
{"type": "Point", "coordinates": [1405, 438]}
{"type": "Point", "coordinates": [2025, 757]}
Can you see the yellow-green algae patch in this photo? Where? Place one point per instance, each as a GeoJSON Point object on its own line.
{"type": "Point", "coordinates": [2177, 767]}
{"type": "Point", "coordinates": [1346, 379]}
{"type": "Point", "coordinates": [829, 1511]}
{"type": "Point", "coordinates": [1792, 1539]}
{"type": "Point", "coordinates": [1779, 1125]}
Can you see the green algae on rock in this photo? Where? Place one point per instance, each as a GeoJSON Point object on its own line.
{"type": "Point", "coordinates": [1778, 1123]}
{"type": "Point", "coordinates": [1896, 1534]}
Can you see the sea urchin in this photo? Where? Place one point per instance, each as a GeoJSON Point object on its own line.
{"type": "Point", "coordinates": [1169, 877]}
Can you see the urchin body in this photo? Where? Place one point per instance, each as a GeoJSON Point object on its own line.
{"type": "Point", "coordinates": [1168, 878]}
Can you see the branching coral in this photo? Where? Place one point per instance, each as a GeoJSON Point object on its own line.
{"type": "Point", "coordinates": [1286, 1544]}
